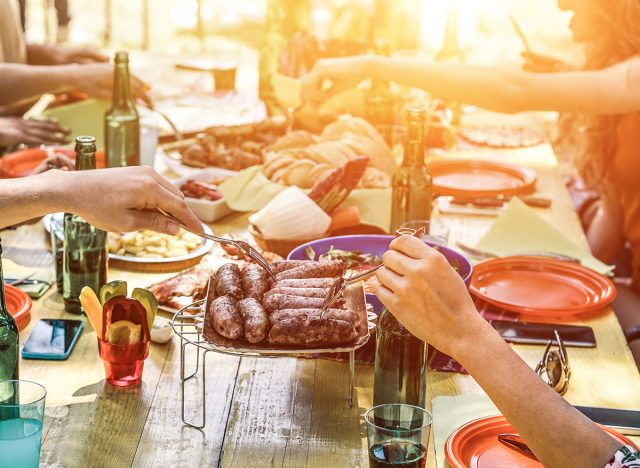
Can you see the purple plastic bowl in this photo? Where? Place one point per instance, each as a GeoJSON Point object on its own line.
{"type": "Point", "coordinates": [376, 245]}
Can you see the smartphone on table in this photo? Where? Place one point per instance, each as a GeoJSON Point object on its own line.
{"type": "Point", "coordinates": [52, 339]}
{"type": "Point", "coordinates": [541, 333]}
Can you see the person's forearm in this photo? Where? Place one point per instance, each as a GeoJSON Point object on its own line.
{"type": "Point", "coordinates": [557, 433]}
{"type": "Point", "coordinates": [39, 195]}
{"type": "Point", "coordinates": [41, 54]}
{"type": "Point", "coordinates": [511, 91]}
{"type": "Point", "coordinates": [19, 82]}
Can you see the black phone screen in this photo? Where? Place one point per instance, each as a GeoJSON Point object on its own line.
{"type": "Point", "coordinates": [541, 333]}
{"type": "Point", "coordinates": [52, 337]}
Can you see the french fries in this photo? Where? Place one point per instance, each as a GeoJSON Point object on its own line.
{"type": "Point", "coordinates": [150, 244]}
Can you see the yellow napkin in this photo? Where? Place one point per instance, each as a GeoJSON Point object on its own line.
{"type": "Point", "coordinates": [83, 118]}
{"type": "Point", "coordinates": [250, 190]}
{"type": "Point", "coordinates": [13, 271]}
{"type": "Point", "coordinates": [520, 229]}
{"type": "Point", "coordinates": [451, 412]}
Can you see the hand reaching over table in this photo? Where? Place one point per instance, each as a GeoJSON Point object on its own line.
{"type": "Point", "coordinates": [96, 79]}
{"type": "Point", "coordinates": [116, 199]}
{"type": "Point", "coordinates": [16, 130]}
{"type": "Point", "coordinates": [429, 298]}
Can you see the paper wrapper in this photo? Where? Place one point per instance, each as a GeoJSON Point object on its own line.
{"type": "Point", "coordinates": [250, 190]}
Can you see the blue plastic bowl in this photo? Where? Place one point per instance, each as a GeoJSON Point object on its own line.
{"type": "Point", "coordinates": [376, 245]}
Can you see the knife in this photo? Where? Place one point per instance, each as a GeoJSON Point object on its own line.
{"type": "Point", "coordinates": [517, 443]}
{"type": "Point", "coordinates": [498, 202]}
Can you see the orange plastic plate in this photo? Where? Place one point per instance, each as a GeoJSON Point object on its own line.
{"type": "Point", "coordinates": [19, 305]}
{"type": "Point", "coordinates": [475, 445]}
{"type": "Point", "coordinates": [541, 286]}
{"type": "Point", "coordinates": [474, 178]}
{"type": "Point", "coordinates": [21, 163]}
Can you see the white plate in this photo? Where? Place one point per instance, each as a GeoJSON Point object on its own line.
{"type": "Point", "coordinates": [206, 210]}
{"type": "Point", "coordinates": [204, 248]}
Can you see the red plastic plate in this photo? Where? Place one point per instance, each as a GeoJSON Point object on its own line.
{"type": "Point", "coordinates": [21, 163]}
{"type": "Point", "coordinates": [475, 445]}
{"type": "Point", "coordinates": [19, 305]}
{"type": "Point", "coordinates": [471, 178]}
{"type": "Point", "coordinates": [541, 286]}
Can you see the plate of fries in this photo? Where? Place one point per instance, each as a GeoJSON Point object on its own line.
{"type": "Point", "coordinates": [148, 247]}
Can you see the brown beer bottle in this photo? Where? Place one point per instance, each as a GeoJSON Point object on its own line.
{"type": "Point", "coordinates": [411, 195]}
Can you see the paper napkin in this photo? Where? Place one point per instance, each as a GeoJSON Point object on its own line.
{"type": "Point", "coordinates": [520, 229]}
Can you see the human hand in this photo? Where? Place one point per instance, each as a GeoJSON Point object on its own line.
{"type": "Point", "coordinates": [540, 64]}
{"type": "Point", "coordinates": [126, 199]}
{"type": "Point", "coordinates": [66, 55]}
{"type": "Point", "coordinates": [427, 295]}
{"type": "Point", "coordinates": [54, 161]}
{"type": "Point", "coordinates": [16, 130]}
{"type": "Point", "coordinates": [96, 79]}
{"type": "Point", "coordinates": [341, 74]}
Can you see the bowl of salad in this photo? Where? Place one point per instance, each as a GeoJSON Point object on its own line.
{"type": "Point", "coordinates": [364, 252]}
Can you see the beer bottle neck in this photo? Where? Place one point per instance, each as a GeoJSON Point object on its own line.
{"type": "Point", "coordinates": [85, 161]}
{"type": "Point", "coordinates": [122, 97]}
{"type": "Point", "coordinates": [3, 303]}
{"type": "Point", "coordinates": [414, 145]}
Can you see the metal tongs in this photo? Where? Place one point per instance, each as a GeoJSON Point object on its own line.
{"type": "Point", "coordinates": [340, 284]}
{"type": "Point", "coordinates": [244, 247]}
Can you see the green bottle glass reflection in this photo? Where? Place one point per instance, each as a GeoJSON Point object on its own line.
{"type": "Point", "coordinates": [84, 258]}
{"type": "Point", "coordinates": [9, 337]}
{"type": "Point", "coordinates": [121, 122]}
{"type": "Point", "coordinates": [412, 185]}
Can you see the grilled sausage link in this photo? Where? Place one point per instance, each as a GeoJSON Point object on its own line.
{"type": "Point", "coordinates": [255, 321]}
{"type": "Point", "coordinates": [304, 292]}
{"type": "Point", "coordinates": [227, 320]}
{"type": "Point", "coordinates": [228, 281]}
{"type": "Point", "coordinates": [255, 281]}
{"type": "Point", "coordinates": [284, 265]}
{"type": "Point", "coordinates": [305, 283]}
{"type": "Point", "coordinates": [328, 269]}
{"type": "Point", "coordinates": [311, 332]}
{"type": "Point", "coordinates": [285, 301]}
{"type": "Point", "coordinates": [337, 314]}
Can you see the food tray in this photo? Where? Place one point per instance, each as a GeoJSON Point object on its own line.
{"type": "Point", "coordinates": [206, 210]}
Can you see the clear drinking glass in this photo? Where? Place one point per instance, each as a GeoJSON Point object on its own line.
{"type": "Point", "coordinates": [398, 434]}
{"type": "Point", "coordinates": [436, 232]}
{"type": "Point", "coordinates": [21, 415]}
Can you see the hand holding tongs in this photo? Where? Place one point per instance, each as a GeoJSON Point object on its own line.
{"type": "Point", "coordinates": [244, 247]}
{"type": "Point", "coordinates": [340, 284]}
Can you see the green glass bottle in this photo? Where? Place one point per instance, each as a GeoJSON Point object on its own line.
{"type": "Point", "coordinates": [121, 122]}
{"type": "Point", "coordinates": [450, 52]}
{"type": "Point", "coordinates": [9, 338]}
{"type": "Point", "coordinates": [380, 102]}
{"type": "Point", "coordinates": [412, 185]}
{"type": "Point", "coordinates": [84, 258]}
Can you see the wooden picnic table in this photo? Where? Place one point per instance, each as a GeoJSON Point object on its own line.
{"type": "Point", "coordinates": [271, 412]}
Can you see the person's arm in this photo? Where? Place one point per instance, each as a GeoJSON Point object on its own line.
{"type": "Point", "coordinates": [19, 82]}
{"type": "Point", "coordinates": [43, 54]}
{"type": "Point", "coordinates": [428, 297]}
{"type": "Point", "coordinates": [614, 90]}
{"type": "Point", "coordinates": [117, 199]}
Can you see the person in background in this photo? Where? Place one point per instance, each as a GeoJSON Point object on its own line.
{"type": "Point", "coordinates": [90, 194]}
{"type": "Point", "coordinates": [605, 94]}
{"type": "Point", "coordinates": [429, 298]}
{"type": "Point", "coordinates": [29, 70]}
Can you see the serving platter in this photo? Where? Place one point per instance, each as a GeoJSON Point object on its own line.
{"type": "Point", "coordinates": [475, 445]}
{"type": "Point", "coordinates": [480, 178]}
{"type": "Point", "coordinates": [165, 264]}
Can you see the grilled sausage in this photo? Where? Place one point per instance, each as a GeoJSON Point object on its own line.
{"type": "Point", "coordinates": [285, 301]}
{"type": "Point", "coordinates": [255, 321]}
{"type": "Point", "coordinates": [227, 320]}
{"type": "Point", "coordinates": [285, 265]}
{"type": "Point", "coordinates": [228, 281]}
{"type": "Point", "coordinates": [305, 283]}
{"type": "Point", "coordinates": [311, 332]}
{"type": "Point", "coordinates": [329, 269]}
{"type": "Point", "coordinates": [304, 292]}
{"type": "Point", "coordinates": [337, 314]}
{"type": "Point", "coordinates": [255, 281]}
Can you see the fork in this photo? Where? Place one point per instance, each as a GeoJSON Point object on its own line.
{"type": "Point", "coordinates": [244, 247]}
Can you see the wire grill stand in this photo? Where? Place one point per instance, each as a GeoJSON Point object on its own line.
{"type": "Point", "coordinates": [190, 335]}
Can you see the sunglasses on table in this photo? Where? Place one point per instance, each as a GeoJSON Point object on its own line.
{"type": "Point", "coordinates": [554, 366]}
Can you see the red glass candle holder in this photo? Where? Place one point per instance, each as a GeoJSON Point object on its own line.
{"type": "Point", "coordinates": [123, 364]}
